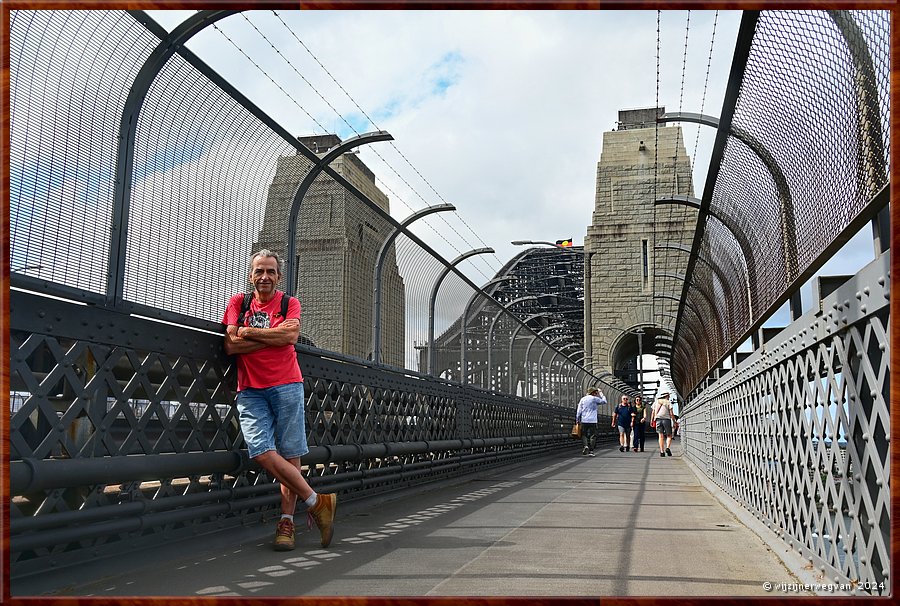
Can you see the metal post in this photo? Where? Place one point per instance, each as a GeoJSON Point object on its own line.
{"type": "Point", "coordinates": [512, 340]}
{"type": "Point", "coordinates": [490, 332]}
{"type": "Point", "coordinates": [433, 298]}
{"type": "Point", "coordinates": [528, 351]}
{"type": "Point", "coordinates": [128, 125]}
{"type": "Point", "coordinates": [464, 323]}
{"type": "Point", "coordinates": [379, 264]}
{"type": "Point", "coordinates": [321, 164]}
{"type": "Point", "coordinates": [640, 360]}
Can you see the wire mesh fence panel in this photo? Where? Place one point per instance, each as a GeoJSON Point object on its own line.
{"type": "Point", "coordinates": [799, 433]}
{"type": "Point", "coordinates": [70, 75]}
{"type": "Point", "coordinates": [806, 155]}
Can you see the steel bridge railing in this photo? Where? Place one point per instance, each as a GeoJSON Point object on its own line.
{"type": "Point", "coordinates": [124, 432]}
{"type": "Point", "coordinates": [799, 432]}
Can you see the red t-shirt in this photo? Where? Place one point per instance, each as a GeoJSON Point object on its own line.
{"type": "Point", "coordinates": [269, 366]}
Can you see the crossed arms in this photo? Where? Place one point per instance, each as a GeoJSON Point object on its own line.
{"type": "Point", "coordinates": [244, 339]}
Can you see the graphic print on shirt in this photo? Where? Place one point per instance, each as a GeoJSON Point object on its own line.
{"type": "Point", "coordinates": [259, 319]}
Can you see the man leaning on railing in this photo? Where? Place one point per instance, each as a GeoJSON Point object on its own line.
{"type": "Point", "coordinates": [261, 331]}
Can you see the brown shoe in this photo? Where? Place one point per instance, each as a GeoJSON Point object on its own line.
{"type": "Point", "coordinates": [323, 515]}
{"type": "Point", "coordinates": [284, 535]}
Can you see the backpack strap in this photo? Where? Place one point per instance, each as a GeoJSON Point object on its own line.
{"type": "Point", "coordinates": [248, 297]}
{"type": "Point", "coordinates": [285, 299]}
{"type": "Point", "coordinates": [245, 307]}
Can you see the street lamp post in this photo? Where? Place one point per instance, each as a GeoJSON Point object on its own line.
{"type": "Point", "coordinates": [464, 374]}
{"type": "Point", "coordinates": [379, 264]}
{"type": "Point", "coordinates": [549, 374]}
{"type": "Point", "coordinates": [528, 375]}
{"type": "Point", "coordinates": [433, 298]}
{"type": "Point", "coordinates": [490, 333]}
{"type": "Point", "coordinates": [512, 340]}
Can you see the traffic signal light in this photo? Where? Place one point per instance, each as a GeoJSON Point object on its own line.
{"type": "Point", "coordinates": [566, 242]}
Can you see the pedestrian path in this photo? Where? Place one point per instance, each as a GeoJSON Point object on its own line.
{"type": "Point", "coordinates": [618, 524]}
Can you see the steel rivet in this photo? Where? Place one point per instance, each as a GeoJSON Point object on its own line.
{"type": "Point", "coordinates": [866, 290]}
{"type": "Point", "coordinates": [858, 295]}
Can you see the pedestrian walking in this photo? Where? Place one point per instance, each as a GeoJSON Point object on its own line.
{"type": "Point", "coordinates": [586, 415]}
{"type": "Point", "coordinates": [640, 423]}
{"type": "Point", "coordinates": [622, 418]}
{"type": "Point", "coordinates": [261, 330]}
{"type": "Point", "coordinates": [663, 415]}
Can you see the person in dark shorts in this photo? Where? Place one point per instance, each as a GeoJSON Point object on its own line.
{"type": "Point", "coordinates": [640, 423]}
{"type": "Point", "coordinates": [622, 418]}
{"type": "Point", "coordinates": [664, 417]}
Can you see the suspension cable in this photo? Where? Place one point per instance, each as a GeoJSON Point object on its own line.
{"type": "Point", "coordinates": [687, 30]}
{"type": "Point", "coordinates": [705, 85]}
{"type": "Point", "coordinates": [655, 171]}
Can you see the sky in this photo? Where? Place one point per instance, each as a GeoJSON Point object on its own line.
{"type": "Point", "coordinates": [500, 113]}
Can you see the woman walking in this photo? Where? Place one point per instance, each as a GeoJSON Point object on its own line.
{"type": "Point", "coordinates": [640, 423]}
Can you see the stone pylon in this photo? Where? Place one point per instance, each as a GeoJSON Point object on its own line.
{"type": "Point", "coordinates": [628, 244]}
{"type": "Point", "coordinates": [337, 241]}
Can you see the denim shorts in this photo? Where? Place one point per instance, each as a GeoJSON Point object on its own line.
{"type": "Point", "coordinates": [273, 419]}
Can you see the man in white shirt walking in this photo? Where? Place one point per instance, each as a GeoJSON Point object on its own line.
{"type": "Point", "coordinates": [586, 415]}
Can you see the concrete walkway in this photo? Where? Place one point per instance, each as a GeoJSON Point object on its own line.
{"type": "Point", "coordinates": [618, 524]}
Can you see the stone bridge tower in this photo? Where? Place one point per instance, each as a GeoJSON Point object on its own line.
{"type": "Point", "coordinates": [337, 243]}
{"type": "Point", "coordinates": [625, 229]}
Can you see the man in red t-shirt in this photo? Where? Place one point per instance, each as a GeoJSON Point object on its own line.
{"type": "Point", "coordinates": [270, 397]}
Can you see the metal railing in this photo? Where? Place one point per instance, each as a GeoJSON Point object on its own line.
{"type": "Point", "coordinates": [127, 435]}
{"type": "Point", "coordinates": [799, 432]}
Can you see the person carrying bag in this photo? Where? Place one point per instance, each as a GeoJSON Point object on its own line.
{"type": "Point", "coordinates": [586, 419]}
{"type": "Point", "coordinates": [662, 418]}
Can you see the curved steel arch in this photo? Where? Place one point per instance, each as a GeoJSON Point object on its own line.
{"type": "Point", "coordinates": [168, 46]}
{"type": "Point", "coordinates": [739, 236]}
{"type": "Point", "coordinates": [788, 220]}
{"type": "Point", "coordinates": [433, 297]}
{"type": "Point", "coordinates": [379, 265]}
{"type": "Point", "coordinates": [317, 168]}
{"type": "Point", "coordinates": [723, 279]}
{"type": "Point", "coordinates": [706, 296]}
